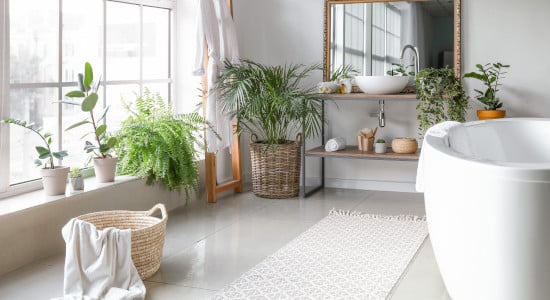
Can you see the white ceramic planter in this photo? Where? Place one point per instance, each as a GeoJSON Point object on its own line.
{"type": "Point", "coordinates": [105, 169]}
{"type": "Point", "coordinates": [380, 148]}
{"type": "Point", "coordinates": [55, 180]}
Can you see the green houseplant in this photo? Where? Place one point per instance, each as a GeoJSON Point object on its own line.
{"type": "Point", "coordinates": [77, 181]}
{"type": "Point", "coordinates": [156, 144]}
{"type": "Point", "coordinates": [54, 178]}
{"type": "Point", "coordinates": [102, 144]}
{"type": "Point", "coordinates": [270, 103]}
{"type": "Point", "coordinates": [441, 97]}
{"type": "Point", "coordinates": [489, 74]}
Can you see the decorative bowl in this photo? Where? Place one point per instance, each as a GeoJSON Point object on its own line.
{"type": "Point", "coordinates": [404, 145]}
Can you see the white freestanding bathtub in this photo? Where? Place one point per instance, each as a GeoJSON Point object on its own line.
{"type": "Point", "coordinates": [487, 193]}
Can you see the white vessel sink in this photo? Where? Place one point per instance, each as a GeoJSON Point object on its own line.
{"type": "Point", "coordinates": [382, 85]}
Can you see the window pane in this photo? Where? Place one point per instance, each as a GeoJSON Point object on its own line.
{"type": "Point", "coordinates": [122, 41]}
{"type": "Point", "coordinates": [115, 94]}
{"type": "Point", "coordinates": [34, 39]}
{"type": "Point", "coordinates": [155, 42]}
{"type": "Point", "coordinates": [32, 105]}
{"type": "Point", "coordinates": [82, 37]}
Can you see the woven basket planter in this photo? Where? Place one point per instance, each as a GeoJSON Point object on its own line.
{"type": "Point", "coordinates": [148, 234]}
{"type": "Point", "coordinates": [276, 169]}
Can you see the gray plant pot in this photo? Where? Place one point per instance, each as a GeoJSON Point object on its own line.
{"type": "Point", "coordinates": [77, 183]}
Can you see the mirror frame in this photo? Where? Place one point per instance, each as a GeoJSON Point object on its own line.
{"type": "Point", "coordinates": [326, 51]}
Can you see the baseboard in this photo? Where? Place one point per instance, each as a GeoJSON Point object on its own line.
{"type": "Point", "coordinates": [375, 185]}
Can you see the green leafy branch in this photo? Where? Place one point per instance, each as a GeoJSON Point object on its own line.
{"type": "Point", "coordinates": [44, 153]}
{"type": "Point", "coordinates": [489, 74]}
{"type": "Point", "coordinates": [103, 143]}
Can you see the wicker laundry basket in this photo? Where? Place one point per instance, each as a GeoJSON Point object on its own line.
{"type": "Point", "coordinates": [276, 169]}
{"type": "Point", "coordinates": [148, 234]}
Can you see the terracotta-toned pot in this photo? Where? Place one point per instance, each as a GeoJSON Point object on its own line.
{"type": "Point", "coordinates": [490, 114]}
{"type": "Point", "coordinates": [55, 180]}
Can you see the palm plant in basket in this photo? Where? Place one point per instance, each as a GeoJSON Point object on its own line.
{"type": "Point", "coordinates": [270, 103]}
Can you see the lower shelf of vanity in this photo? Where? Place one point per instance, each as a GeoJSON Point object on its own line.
{"type": "Point", "coordinates": [353, 152]}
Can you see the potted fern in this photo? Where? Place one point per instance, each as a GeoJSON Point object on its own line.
{"type": "Point", "coordinates": [490, 74]}
{"type": "Point", "coordinates": [54, 178]}
{"type": "Point", "coordinates": [102, 144]}
{"type": "Point", "coordinates": [270, 103]}
{"type": "Point", "coordinates": [441, 98]}
{"type": "Point", "coordinates": [156, 144]}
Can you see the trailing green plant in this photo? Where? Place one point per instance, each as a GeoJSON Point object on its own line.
{"type": "Point", "coordinates": [400, 70]}
{"type": "Point", "coordinates": [103, 143]}
{"type": "Point", "coordinates": [441, 98]}
{"type": "Point", "coordinates": [269, 100]}
{"type": "Point", "coordinates": [45, 153]}
{"type": "Point", "coordinates": [489, 74]}
{"type": "Point", "coordinates": [343, 72]}
{"type": "Point", "coordinates": [156, 144]}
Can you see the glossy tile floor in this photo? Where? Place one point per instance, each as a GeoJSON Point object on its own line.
{"type": "Point", "coordinates": [210, 245]}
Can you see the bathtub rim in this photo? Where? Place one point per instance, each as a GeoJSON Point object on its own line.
{"type": "Point", "coordinates": [529, 171]}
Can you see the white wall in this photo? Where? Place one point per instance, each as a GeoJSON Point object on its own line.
{"type": "Point", "coordinates": [511, 32]}
{"type": "Point", "coordinates": [515, 33]}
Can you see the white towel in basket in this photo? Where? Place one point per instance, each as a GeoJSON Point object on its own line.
{"type": "Point", "coordinates": [335, 144]}
{"type": "Point", "coordinates": [98, 263]}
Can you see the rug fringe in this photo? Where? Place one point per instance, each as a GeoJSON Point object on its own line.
{"type": "Point", "coordinates": [348, 213]}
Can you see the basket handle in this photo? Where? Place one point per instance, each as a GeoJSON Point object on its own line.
{"type": "Point", "coordinates": [253, 138]}
{"type": "Point", "coordinates": [298, 138]}
{"type": "Point", "coordinates": [158, 206]}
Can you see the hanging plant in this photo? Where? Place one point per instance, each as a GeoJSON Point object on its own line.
{"type": "Point", "coordinates": [441, 98]}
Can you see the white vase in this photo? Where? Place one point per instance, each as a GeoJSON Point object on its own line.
{"type": "Point", "coordinates": [380, 148]}
{"type": "Point", "coordinates": [105, 169]}
{"type": "Point", "coordinates": [55, 180]}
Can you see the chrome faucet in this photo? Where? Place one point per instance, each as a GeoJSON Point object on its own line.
{"type": "Point", "coordinates": [417, 58]}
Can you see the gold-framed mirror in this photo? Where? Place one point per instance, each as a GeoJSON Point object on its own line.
{"type": "Point", "coordinates": [370, 35]}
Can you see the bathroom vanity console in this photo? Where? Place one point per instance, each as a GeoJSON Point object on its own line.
{"type": "Point", "coordinates": [350, 151]}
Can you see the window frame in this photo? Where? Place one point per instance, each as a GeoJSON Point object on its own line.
{"type": "Point", "coordinates": [8, 189]}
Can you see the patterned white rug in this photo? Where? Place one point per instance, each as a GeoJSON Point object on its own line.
{"type": "Point", "coordinates": [345, 255]}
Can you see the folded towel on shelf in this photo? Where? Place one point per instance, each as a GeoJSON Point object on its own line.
{"type": "Point", "coordinates": [335, 144]}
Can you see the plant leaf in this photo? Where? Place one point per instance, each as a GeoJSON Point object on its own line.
{"type": "Point", "coordinates": [75, 94]}
{"type": "Point", "coordinates": [77, 124]}
{"type": "Point", "coordinates": [38, 162]}
{"type": "Point", "coordinates": [100, 129]}
{"type": "Point", "coordinates": [88, 75]}
{"type": "Point", "coordinates": [60, 154]}
{"type": "Point", "coordinates": [89, 102]}
{"type": "Point", "coordinates": [42, 150]}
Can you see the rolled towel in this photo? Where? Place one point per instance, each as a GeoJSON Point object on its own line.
{"type": "Point", "coordinates": [335, 144]}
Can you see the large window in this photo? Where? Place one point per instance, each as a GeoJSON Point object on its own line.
{"type": "Point", "coordinates": [128, 44]}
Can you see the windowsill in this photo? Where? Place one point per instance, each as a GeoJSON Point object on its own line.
{"type": "Point", "coordinates": [37, 198]}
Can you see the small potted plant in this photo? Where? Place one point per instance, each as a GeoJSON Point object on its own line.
{"type": "Point", "coordinates": [54, 178]}
{"type": "Point", "coordinates": [343, 78]}
{"type": "Point", "coordinates": [77, 181]}
{"type": "Point", "coordinates": [490, 74]}
{"type": "Point", "coordinates": [102, 144]}
{"type": "Point", "coordinates": [380, 146]}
